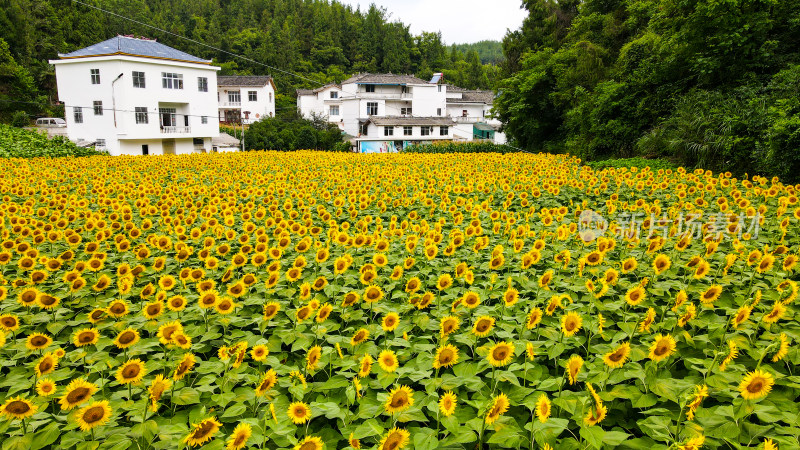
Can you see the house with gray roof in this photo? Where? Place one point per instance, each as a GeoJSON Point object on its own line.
{"type": "Point", "coordinates": [244, 99]}
{"type": "Point", "coordinates": [136, 96]}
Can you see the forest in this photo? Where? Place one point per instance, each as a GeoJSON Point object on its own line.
{"type": "Point", "coordinates": [319, 40]}
{"type": "Point", "coordinates": [702, 83]}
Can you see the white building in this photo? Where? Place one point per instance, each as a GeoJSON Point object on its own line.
{"type": "Point", "coordinates": [385, 112]}
{"type": "Point", "coordinates": [137, 96]}
{"type": "Point", "coordinates": [245, 99]}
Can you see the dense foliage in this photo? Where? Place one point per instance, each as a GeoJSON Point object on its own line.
{"type": "Point", "coordinates": [320, 40]}
{"type": "Point", "coordinates": [704, 83]}
{"type": "Point", "coordinates": [489, 52]}
{"type": "Point", "coordinates": [654, 164]}
{"type": "Point", "coordinates": [315, 300]}
{"type": "Point", "coordinates": [460, 147]}
{"type": "Point", "coordinates": [19, 143]}
{"type": "Point", "coordinates": [291, 133]}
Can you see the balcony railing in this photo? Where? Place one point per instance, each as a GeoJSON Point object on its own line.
{"type": "Point", "coordinates": [178, 130]}
{"type": "Point", "coordinates": [230, 104]}
{"type": "Point", "coordinates": [469, 119]}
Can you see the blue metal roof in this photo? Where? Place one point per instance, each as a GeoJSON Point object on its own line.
{"type": "Point", "coordinates": [124, 45]}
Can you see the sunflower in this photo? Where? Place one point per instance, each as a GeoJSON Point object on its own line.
{"type": "Point", "coordinates": [661, 263]}
{"type": "Point", "coordinates": [447, 403]}
{"type": "Point", "coordinates": [131, 372]}
{"type": "Point", "coordinates": [324, 312]}
{"type": "Point", "coordinates": [126, 338]}
{"type": "Point", "coordinates": [181, 340]}
{"type": "Point", "coordinates": [448, 326]}
{"type": "Point", "coordinates": [783, 348]}
{"type": "Point", "coordinates": [711, 294]}
{"type": "Point", "coordinates": [167, 282]}
{"type": "Point", "coordinates": [617, 358]}
{"type": "Point", "coordinates": [446, 356]}
{"type": "Point", "coordinates": [38, 341]}
{"type": "Point", "coordinates": [733, 353]}
{"type": "Point", "coordinates": [360, 336]}
{"type": "Point", "coordinates": [388, 360]}
{"type": "Point", "coordinates": [574, 365]}
{"type": "Point", "coordinates": [399, 399]}
{"type": "Point", "coordinates": [117, 308]}
{"type": "Point", "coordinates": [225, 306]}
{"type": "Point", "coordinates": [775, 314]}
{"type": "Point", "coordinates": [756, 385]}
{"type": "Point", "coordinates": [500, 354]}
{"type": "Point", "coordinates": [742, 314]}
{"type": "Point", "coordinates": [299, 413]}
{"type": "Point", "coordinates": [350, 299]}
{"type": "Point", "coordinates": [510, 297]}
{"type": "Point", "coordinates": [239, 437]}
{"type": "Point", "coordinates": [395, 439]}
{"type": "Point", "coordinates": [765, 264]}
{"type": "Point", "coordinates": [444, 282]}
{"type": "Point", "coordinates": [595, 415]}
{"type": "Point", "coordinates": [365, 366]}
{"type": "Point", "coordinates": [309, 443]}
{"type": "Point", "coordinates": [594, 258]}
{"type": "Point", "coordinates": [629, 265]}
{"type": "Point", "coordinates": [9, 322]}
{"type": "Point", "coordinates": [271, 310]}
{"type": "Point", "coordinates": [77, 392]}
{"type": "Point", "coordinates": [543, 408]}
{"type": "Point", "coordinates": [483, 326]}
{"type": "Point", "coordinates": [694, 443]}
{"type": "Point", "coordinates": [355, 443]}
{"type": "Point", "coordinates": [18, 408]}
{"type": "Point", "coordinates": [46, 364]}
{"type": "Point", "coordinates": [372, 294]}
{"type": "Point", "coordinates": [662, 347]}
{"type": "Point", "coordinates": [533, 319]}
{"type": "Point", "coordinates": [154, 309]}
{"type": "Point", "coordinates": [202, 432]}
{"type": "Point", "coordinates": [571, 323]}
{"type": "Point", "coordinates": [700, 392]}
{"type": "Point", "coordinates": [769, 445]}
{"type": "Point", "coordinates": [86, 336]}
{"type": "Point", "coordinates": [208, 299]}
{"type": "Point", "coordinates": [635, 295]}
{"type": "Point", "coordinates": [166, 331]}
{"type": "Point", "coordinates": [259, 352]}
{"type": "Point", "coordinates": [498, 407]}
{"type": "Point", "coordinates": [46, 301]}
{"type": "Point", "coordinates": [267, 382]}
{"type": "Point", "coordinates": [157, 389]}
{"type": "Point", "coordinates": [390, 321]}
{"type": "Point", "coordinates": [312, 357]}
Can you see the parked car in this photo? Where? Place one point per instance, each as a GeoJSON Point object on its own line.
{"type": "Point", "coordinates": [51, 122]}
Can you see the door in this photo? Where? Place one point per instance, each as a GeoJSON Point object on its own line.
{"type": "Point", "coordinates": [168, 117]}
{"type": "Point", "coordinates": [168, 146]}
{"type": "Point", "coordinates": [145, 149]}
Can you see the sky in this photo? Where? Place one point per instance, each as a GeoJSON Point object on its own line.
{"type": "Point", "coordinates": [460, 21]}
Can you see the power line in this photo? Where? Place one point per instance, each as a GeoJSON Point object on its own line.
{"type": "Point", "coordinates": [200, 43]}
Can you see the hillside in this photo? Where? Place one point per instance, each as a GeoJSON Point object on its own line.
{"type": "Point", "coordinates": [489, 52]}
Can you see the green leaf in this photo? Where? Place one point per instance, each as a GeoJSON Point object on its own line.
{"type": "Point", "coordinates": [594, 436]}
{"type": "Point", "coordinates": [46, 436]}
{"type": "Point", "coordinates": [18, 442]}
{"type": "Point", "coordinates": [369, 428]}
{"type": "Point", "coordinates": [425, 439]}
{"type": "Point", "coordinates": [234, 411]}
{"type": "Point", "coordinates": [186, 396]}
{"type": "Point", "coordinates": [614, 438]}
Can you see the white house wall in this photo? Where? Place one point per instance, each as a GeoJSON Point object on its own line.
{"type": "Point", "coordinates": [73, 77]}
{"type": "Point", "coordinates": [264, 106]}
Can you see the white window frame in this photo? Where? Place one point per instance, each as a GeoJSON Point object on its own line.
{"type": "Point", "coordinates": [369, 88]}
{"type": "Point", "coordinates": [334, 94]}
{"type": "Point", "coordinates": [333, 110]}
{"type": "Point", "coordinates": [425, 131]}
{"type": "Point", "coordinates": [252, 96]}
{"type": "Point", "coordinates": [95, 75]}
{"type": "Point", "coordinates": [235, 97]}
{"type": "Point", "coordinates": [388, 131]}
{"type": "Point", "coordinates": [444, 130]}
{"type": "Point", "coordinates": [171, 80]}
{"type": "Point", "coordinates": [372, 106]}
{"type": "Point", "coordinates": [139, 80]}
{"type": "Point", "coordinates": [141, 115]}
{"type": "Point", "coordinates": [204, 120]}
{"type": "Point", "coordinates": [77, 114]}
{"type": "Point", "coordinates": [97, 107]}
{"type": "Point", "coordinates": [202, 84]}
{"type": "Point", "coordinates": [408, 131]}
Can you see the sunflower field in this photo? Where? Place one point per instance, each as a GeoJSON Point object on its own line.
{"type": "Point", "coordinates": [315, 300]}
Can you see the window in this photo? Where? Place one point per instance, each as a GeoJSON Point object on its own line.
{"type": "Point", "coordinates": [438, 111]}
{"type": "Point", "coordinates": [405, 111]}
{"type": "Point", "coordinates": [138, 79]}
{"type": "Point", "coordinates": [204, 120]}
{"type": "Point", "coordinates": [444, 131]}
{"type": "Point", "coordinates": [270, 97]}
{"type": "Point", "coordinates": [252, 96]}
{"type": "Point", "coordinates": [202, 84]}
{"type": "Point", "coordinates": [100, 143]}
{"type": "Point", "coordinates": [404, 89]}
{"type": "Point", "coordinates": [464, 113]}
{"type": "Point", "coordinates": [95, 76]}
{"type": "Point", "coordinates": [388, 131]}
{"type": "Point", "coordinates": [425, 131]}
{"type": "Point", "coordinates": [408, 131]}
{"type": "Point", "coordinates": [372, 108]}
{"type": "Point", "coordinates": [171, 80]}
{"type": "Point", "coordinates": [77, 114]}
{"type": "Point", "coordinates": [141, 114]}
{"type": "Point", "coordinates": [98, 107]}
{"type": "Point", "coordinates": [440, 87]}
{"type": "Point", "coordinates": [369, 88]}
{"type": "Point", "coordinates": [334, 110]}
{"type": "Point", "coordinates": [234, 97]}
{"type": "Point", "coordinates": [334, 94]}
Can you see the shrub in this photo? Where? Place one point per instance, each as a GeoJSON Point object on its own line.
{"type": "Point", "coordinates": [19, 143]}
{"type": "Point", "coordinates": [460, 147]}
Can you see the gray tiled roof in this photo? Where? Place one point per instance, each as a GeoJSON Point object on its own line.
{"type": "Point", "coordinates": [243, 80]}
{"type": "Point", "coordinates": [383, 121]}
{"type": "Point", "coordinates": [467, 96]}
{"type": "Point", "coordinates": [383, 78]}
{"type": "Point", "coordinates": [305, 92]}
{"type": "Point", "coordinates": [317, 90]}
{"type": "Point", "coordinates": [124, 45]}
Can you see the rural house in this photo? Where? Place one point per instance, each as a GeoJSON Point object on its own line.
{"type": "Point", "coordinates": [245, 99]}
{"type": "Point", "coordinates": [135, 96]}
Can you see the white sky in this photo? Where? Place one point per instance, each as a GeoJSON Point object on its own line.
{"type": "Point", "coordinates": [460, 21]}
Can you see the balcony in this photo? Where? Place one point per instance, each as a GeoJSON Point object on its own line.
{"type": "Point", "coordinates": [469, 119]}
{"type": "Point", "coordinates": [176, 130]}
{"type": "Point", "coordinates": [230, 104]}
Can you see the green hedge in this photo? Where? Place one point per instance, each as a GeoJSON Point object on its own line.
{"type": "Point", "coordinates": [654, 164]}
{"type": "Point", "coordinates": [19, 143]}
{"type": "Point", "coordinates": [460, 147]}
